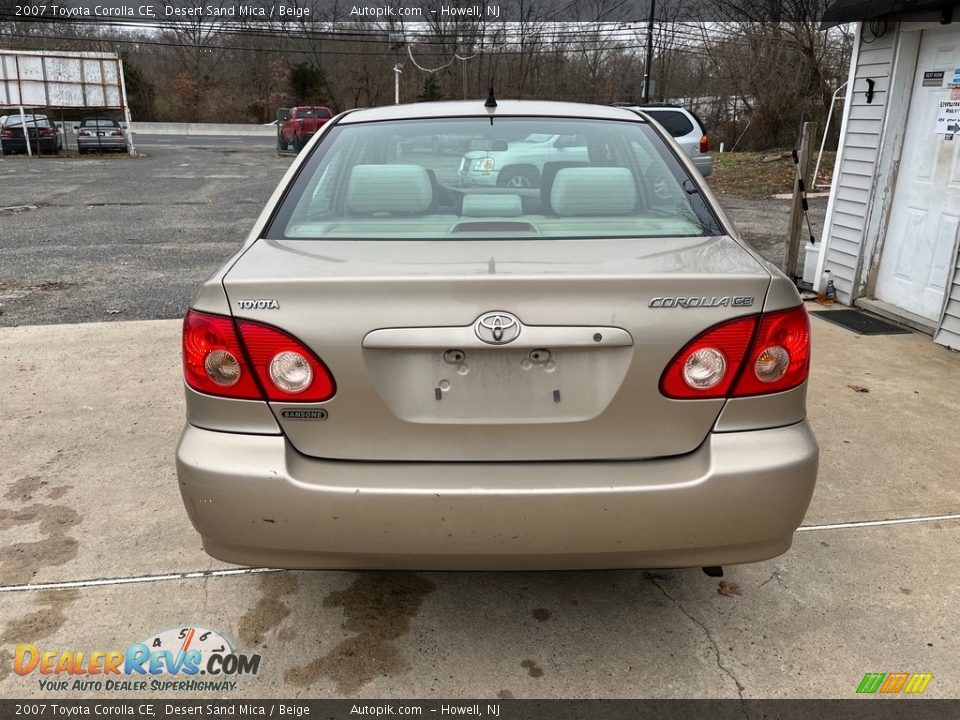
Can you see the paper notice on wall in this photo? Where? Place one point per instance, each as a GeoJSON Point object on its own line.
{"type": "Point", "coordinates": [948, 117]}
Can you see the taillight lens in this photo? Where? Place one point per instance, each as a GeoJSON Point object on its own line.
{"type": "Point", "coordinates": [704, 143]}
{"type": "Point", "coordinates": [83, 133]}
{"type": "Point", "coordinates": [777, 359]}
{"type": "Point", "coordinates": [288, 370]}
{"type": "Point", "coordinates": [116, 133]}
{"type": "Point", "coordinates": [219, 361]}
{"type": "Point", "coordinates": [707, 366]}
{"type": "Point", "coordinates": [6, 133]}
{"type": "Point", "coordinates": [780, 358]}
{"type": "Point", "coordinates": [213, 361]}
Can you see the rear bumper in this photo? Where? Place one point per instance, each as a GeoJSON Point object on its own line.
{"type": "Point", "coordinates": [47, 145]}
{"type": "Point", "coordinates": [104, 143]}
{"type": "Point", "coordinates": [736, 499]}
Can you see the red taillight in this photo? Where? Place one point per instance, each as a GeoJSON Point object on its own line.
{"type": "Point", "coordinates": [45, 132]}
{"type": "Point", "coordinates": [6, 133]}
{"type": "Point", "coordinates": [780, 357]}
{"type": "Point", "coordinates": [213, 361]}
{"type": "Point", "coordinates": [83, 133]}
{"type": "Point", "coordinates": [687, 377]}
{"type": "Point", "coordinates": [218, 361]}
{"type": "Point", "coordinates": [777, 359]}
{"type": "Point", "coordinates": [704, 143]}
{"type": "Point", "coordinates": [288, 370]}
{"type": "Point", "coordinates": [116, 133]}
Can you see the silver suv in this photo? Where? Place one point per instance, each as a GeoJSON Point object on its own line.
{"type": "Point", "coordinates": [521, 164]}
{"type": "Point", "coordinates": [686, 129]}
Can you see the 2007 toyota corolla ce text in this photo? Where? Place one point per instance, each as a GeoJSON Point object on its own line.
{"type": "Point", "coordinates": [400, 370]}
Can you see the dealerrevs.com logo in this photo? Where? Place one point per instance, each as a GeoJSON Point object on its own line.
{"type": "Point", "coordinates": [187, 658]}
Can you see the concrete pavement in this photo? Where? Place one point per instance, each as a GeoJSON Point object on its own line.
{"type": "Point", "coordinates": [90, 422]}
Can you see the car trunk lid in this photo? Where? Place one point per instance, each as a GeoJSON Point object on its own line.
{"type": "Point", "coordinates": [399, 324]}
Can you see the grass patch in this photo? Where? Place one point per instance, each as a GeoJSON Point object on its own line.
{"type": "Point", "coordinates": [760, 175]}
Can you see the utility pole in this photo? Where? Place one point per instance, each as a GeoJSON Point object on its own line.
{"type": "Point", "coordinates": [397, 39]}
{"type": "Point", "coordinates": [649, 61]}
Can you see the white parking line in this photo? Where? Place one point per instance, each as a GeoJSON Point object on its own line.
{"type": "Point", "coordinates": [875, 523]}
{"type": "Point", "coordinates": [200, 574]}
{"type": "Point", "coordinates": [135, 579]}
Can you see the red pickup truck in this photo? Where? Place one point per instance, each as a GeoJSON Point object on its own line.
{"type": "Point", "coordinates": [295, 126]}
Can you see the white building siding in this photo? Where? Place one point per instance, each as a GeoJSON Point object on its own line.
{"type": "Point", "coordinates": [865, 173]}
{"type": "Point", "coordinates": [856, 166]}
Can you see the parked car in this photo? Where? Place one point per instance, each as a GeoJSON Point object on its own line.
{"type": "Point", "coordinates": [98, 134]}
{"type": "Point", "coordinates": [687, 129]}
{"type": "Point", "coordinates": [397, 371]}
{"type": "Point", "coordinates": [300, 124]}
{"type": "Point", "coordinates": [43, 135]}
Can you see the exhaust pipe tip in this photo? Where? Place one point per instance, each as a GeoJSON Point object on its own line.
{"type": "Point", "coordinates": [713, 571]}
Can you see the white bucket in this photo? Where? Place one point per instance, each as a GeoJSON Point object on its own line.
{"type": "Point", "coordinates": [811, 256]}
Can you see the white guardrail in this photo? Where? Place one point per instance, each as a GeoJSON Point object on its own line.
{"type": "Point", "coordinates": [162, 128]}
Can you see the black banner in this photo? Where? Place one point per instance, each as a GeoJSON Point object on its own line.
{"type": "Point", "coordinates": [483, 12]}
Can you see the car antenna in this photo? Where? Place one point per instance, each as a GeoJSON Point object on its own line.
{"type": "Point", "coordinates": [491, 103]}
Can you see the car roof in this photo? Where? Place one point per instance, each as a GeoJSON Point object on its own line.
{"type": "Point", "coordinates": [668, 108]}
{"type": "Point", "coordinates": [476, 108]}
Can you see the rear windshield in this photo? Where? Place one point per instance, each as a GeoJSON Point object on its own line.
{"type": "Point", "coordinates": [313, 112]}
{"type": "Point", "coordinates": [513, 178]}
{"type": "Point", "coordinates": [675, 123]}
{"type": "Point", "coordinates": [100, 122]}
{"type": "Point", "coordinates": [32, 121]}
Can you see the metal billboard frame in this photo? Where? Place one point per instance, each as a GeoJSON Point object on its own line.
{"type": "Point", "coordinates": [41, 78]}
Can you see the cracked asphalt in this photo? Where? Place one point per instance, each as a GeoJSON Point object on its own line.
{"type": "Point", "coordinates": [118, 238]}
{"type": "Point", "coordinates": [94, 542]}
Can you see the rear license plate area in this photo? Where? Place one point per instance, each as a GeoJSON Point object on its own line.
{"type": "Point", "coordinates": [498, 385]}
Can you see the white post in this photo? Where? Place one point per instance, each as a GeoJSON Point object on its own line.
{"type": "Point", "coordinates": [26, 132]}
{"type": "Point", "coordinates": [823, 141]}
{"type": "Point", "coordinates": [396, 83]}
{"type": "Point", "coordinates": [126, 108]}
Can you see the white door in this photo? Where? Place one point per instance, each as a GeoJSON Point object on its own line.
{"type": "Point", "coordinates": [921, 236]}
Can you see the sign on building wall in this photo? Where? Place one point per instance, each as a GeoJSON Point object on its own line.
{"type": "Point", "coordinates": [39, 79]}
{"type": "Point", "coordinates": [948, 117]}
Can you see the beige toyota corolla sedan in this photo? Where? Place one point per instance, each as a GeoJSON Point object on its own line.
{"type": "Point", "coordinates": [403, 370]}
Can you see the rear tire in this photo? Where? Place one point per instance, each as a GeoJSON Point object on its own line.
{"type": "Point", "coordinates": [281, 144]}
{"type": "Point", "coordinates": [298, 143]}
